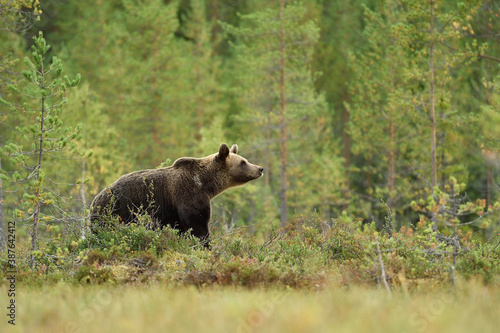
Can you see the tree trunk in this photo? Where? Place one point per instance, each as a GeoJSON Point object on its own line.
{"type": "Point", "coordinates": [391, 181]}
{"type": "Point", "coordinates": [432, 110]}
{"type": "Point", "coordinates": [489, 184]}
{"type": "Point", "coordinates": [34, 230]}
{"type": "Point", "coordinates": [267, 162]}
{"type": "Point", "coordinates": [199, 109]}
{"type": "Point", "coordinates": [267, 167]}
{"type": "Point", "coordinates": [392, 158]}
{"type": "Point", "coordinates": [368, 177]}
{"type": "Point", "coordinates": [199, 103]}
{"type": "Point", "coordinates": [283, 210]}
{"type": "Point", "coordinates": [223, 216]}
{"type": "Point", "coordinates": [36, 208]}
{"type": "Point", "coordinates": [391, 177]}
{"type": "Point", "coordinates": [83, 229]}
{"type": "Point", "coordinates": [215, 26]}
{"type": "Point", "coordinates": [432, 97]}
{"type": "Point", "coordinates": [346, 139]}
{"type": "Point", "coordinates": [346, 153]}
{"type": "Point", "coordinates": [251, 218]}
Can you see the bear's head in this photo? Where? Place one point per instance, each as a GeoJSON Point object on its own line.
{"type": "Point", "coordinates": [239, 170]}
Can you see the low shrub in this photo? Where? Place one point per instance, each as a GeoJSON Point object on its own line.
{"type": "Point", "coordinates": [305, 254]}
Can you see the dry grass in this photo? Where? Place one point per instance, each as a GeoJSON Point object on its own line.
{"type": "Point", "coordinates": [472, 307]}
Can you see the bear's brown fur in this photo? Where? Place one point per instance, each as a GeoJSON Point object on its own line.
{"type": "Point", "coordinates": [178, 195]}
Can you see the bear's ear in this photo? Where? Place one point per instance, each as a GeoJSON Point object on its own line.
{"type": "Point", "coordinates": [234, 149]}
{"type": "Point", "coordinates": [223, 151]}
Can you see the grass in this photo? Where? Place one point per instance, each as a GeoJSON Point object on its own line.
{"type": "Point", "coordinates": [472, 307]}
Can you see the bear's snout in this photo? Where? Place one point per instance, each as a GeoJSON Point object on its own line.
{"type": "Point", "coordinates": [256, 172]}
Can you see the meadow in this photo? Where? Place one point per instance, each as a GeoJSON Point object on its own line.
{"type": "Point", "coordinates": [472, 307]}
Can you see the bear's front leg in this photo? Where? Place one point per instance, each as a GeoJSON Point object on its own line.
{"type": "Point", "coordinates": [203, 234]}
{"type": "Point", "coordinates": [195, 216]}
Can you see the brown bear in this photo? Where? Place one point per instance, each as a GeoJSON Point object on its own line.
{"type": "Point", "coordinates": [178, 195]}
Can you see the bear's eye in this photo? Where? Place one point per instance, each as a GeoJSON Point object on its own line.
{"type": "Point", "coordinates": [243, 163]}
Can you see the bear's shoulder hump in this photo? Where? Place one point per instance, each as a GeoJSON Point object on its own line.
{"type": "Point", "coordinates": [184, 162]}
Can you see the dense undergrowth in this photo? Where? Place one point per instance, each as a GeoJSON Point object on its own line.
{"type": "Point", "coordinates": [309, 253]}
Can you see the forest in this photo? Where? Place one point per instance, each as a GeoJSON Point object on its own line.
{"type": "Point", "coordinates": [377, 123]}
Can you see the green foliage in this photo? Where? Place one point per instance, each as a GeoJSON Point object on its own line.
{"type": "Point", "coordinates": [450, 208]}
{"type": "Point", "coordinates": [100, 140]}
{"type": "Point", "coordinates": [18, 15]}
{"type": "Point", "coordinates": [40, 136]}
{"type": "Point", "coordinates": [391, 87]}
{"type": "Point", "coordinates": [43, 129]}
{"type": "Point", "coordinates": [481, 263]}
{"type": "Point", "coordinates": [257, 54]}
{"type": "Point", "coordinates": [113, 237]}
{"type": "Point", "coordinates": [193, 74]}
{"type": "Point", "coordinates": [307, 254]}
{"type": "Point", "coordinates": [489, 120]}
{"type": "Point", "coordinates": [177, 78]}
{"type": "Point", "coordinates": [166, 163]}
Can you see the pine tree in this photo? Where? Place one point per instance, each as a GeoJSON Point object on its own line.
{"type": "Point", "coordinates": [381, 126]}
{"type": "Point", "coordinates": [274, 51]}
{"type": "Point", "coordinates": [341, 24]}
{"type": "Point", "coordinates": [489, 141]}
{"type": "Point", "coordinates": [165, 87]}
{"type": "Point", "coordinates": [16, 16]}
{"type": "Point", "coordinates": [41, 137]}
{"type": "Point", "coordinates": [433, 31]}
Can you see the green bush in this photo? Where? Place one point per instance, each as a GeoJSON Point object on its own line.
{"type": "Point", "coordinates": [482, 261]}
{"type": "Point", "coordinates": [134, 237]}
